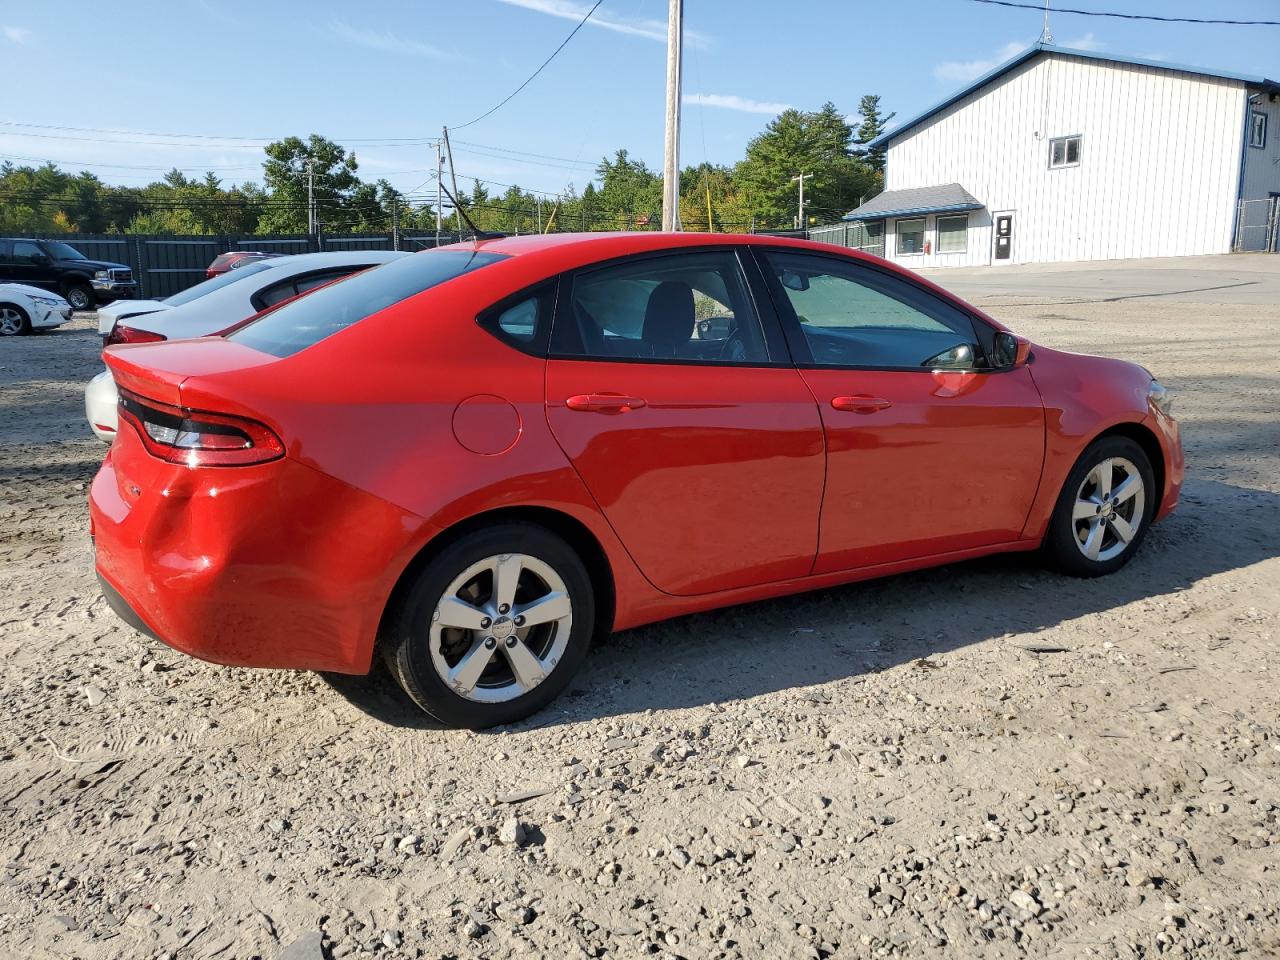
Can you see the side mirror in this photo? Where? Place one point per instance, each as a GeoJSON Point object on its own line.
{"type": "Point", "coordinates": [794, 281]}
{"type": "Point", "coordinates": [1011, 351]}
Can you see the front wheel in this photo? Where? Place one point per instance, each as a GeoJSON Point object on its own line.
{"type": "Point", "coordinates": [13, 321]}
{"type": "Point", "coordinates": [1104, 509]}
{"type": "Point", "coordinates": [493, 627]}
{"type": "Point", "coordinates": [80, 297]}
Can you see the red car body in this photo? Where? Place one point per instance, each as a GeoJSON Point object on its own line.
{"type": "Point", "coordinates": [224, 262]}
{"type": "Point", "coordinates": [391, 439]}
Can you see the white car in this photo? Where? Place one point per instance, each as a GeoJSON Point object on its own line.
{"type": "Point", "coordinates": [24, 308]}
{"type": "Point", "coordinates": [213, 306]}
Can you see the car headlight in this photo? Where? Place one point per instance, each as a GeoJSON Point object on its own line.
{"type": "Point", "coordinates": [48, 301]}
{"type": "Point", "coordinates": [102, 275]}
{"type": "Point", "coordinates": [1160, 397]}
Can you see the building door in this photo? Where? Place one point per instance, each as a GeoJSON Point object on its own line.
{"type": "Point", "coordinates": [1004, 236]}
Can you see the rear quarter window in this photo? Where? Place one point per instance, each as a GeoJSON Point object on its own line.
{"type": "Point", "coordinates": [306, 321]}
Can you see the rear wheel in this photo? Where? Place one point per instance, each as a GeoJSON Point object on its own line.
{"type": "Point", "coordinates": [493, 627]}
{"type": "Point", "coordinates": [80, 297]}
{"type": "Point", "coordinates": [14, 321]}
{"type": "Point", "coordinates": [1104, 509]}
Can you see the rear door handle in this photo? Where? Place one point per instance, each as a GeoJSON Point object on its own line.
{"type": "Point", "coordinates": [860, 403]}
{"type": "Point", "coordinates": [603, 403]}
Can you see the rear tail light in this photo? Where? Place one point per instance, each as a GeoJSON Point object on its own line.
{"type": "Point", "coordinates": [196, 438]}
{"type": "Point", "coordinates": [122, 334]}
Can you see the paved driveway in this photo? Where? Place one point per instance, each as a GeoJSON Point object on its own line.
{"type": "Point", "coordinates": [1236, 279]}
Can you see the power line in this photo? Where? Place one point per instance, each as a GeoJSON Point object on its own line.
{"type": "Point", "coordinates": [535, 73]}
{"type": "Point", "coordinates": [1128, 16]}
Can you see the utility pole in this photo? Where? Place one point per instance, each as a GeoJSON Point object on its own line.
{"type": "Point", "coordinates": [802, 177]}
{"type": "Point", "coordinates": [671, 144]}
{"type": "Point", "coordinates": [439, 184]}
{"type": "Point", "coordinates": [395, 224]}
{"type": "Point", "coordinates": [453, 177]}
{"type": "Point", "coordinates": [311, 200]}
{"type": "Point", "coordinates": [1045, 35]}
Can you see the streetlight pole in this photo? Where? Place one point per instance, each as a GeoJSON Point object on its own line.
{"type": "Point", "coordinates": [802, 177]}
{"type": "Point", "coordinates": [671, 146]}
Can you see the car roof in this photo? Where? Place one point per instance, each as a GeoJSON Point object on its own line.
{"type": "Point", "coordinates": [621, 243]}
{"type": "Point", "coordinates": [333, 258]}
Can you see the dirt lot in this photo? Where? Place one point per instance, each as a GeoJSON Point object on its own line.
{"type": "Point", "coordinates": [986, 760]}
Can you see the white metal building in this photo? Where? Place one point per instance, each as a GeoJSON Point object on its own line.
{"type": "Point", "coordinates": [1064, 154]}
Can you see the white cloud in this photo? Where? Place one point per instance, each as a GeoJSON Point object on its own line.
{"type": "Point", "coordinates": [962, 71]}
{"type": "Point", "coordinates": [1086, 42]}
{"type": "Point", "coordinates": [732, 102]}
{"type": "Point", "coordinates": [17, 34]}
{"type": "Point", "coordinates": [575, 11]}
{"type": "Point", "coordinates": [388, 42]}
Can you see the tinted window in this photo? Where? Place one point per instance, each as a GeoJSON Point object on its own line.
{"type": "Point", "coordinates": [276, 293]}
{"type": "Point", "coordinates": [852, 315]}
{"type": "Point", "coordinates": [27, 253]}
{"type": "Point", "coordinates": [689, 306]}
{"type": "Point", "coordinates": [214, 283]}
{"type": "Point", "coordinates": [308, 320]}
{"type": "Point", "coordinates": [64, 251]}
{"type": "Point", "coordinates": [6, 251]}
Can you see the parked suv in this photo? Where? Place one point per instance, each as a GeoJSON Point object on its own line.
{"type": "Point", "coordinates": [60, 267]}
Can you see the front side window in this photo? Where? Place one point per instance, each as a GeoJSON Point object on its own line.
{"type": "Point", "coordinates": [690, 306]}
{"type": "Point", "coordinates": [1064, 152]}
{"type": "Point", "coordinates": [308, 320]}
{"type": "Point", "coordinates": [27, 253]}
{"type": "Point", "coordinates": [854, 316]}
{"type": "Point", "coordinates": [1257, 129]}
{"type": "Point", "coordinates": [910, 237]}
{"type": "Point", "coordinates": [953, 234]}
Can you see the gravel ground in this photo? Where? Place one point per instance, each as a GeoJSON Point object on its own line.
{"type": "Point", "coordinates": [984, 760]}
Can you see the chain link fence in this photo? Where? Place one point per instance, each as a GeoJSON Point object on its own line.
{"type": "Point", "coordinates": [1258, 226]}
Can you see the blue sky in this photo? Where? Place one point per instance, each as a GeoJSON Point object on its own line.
{"type": "Point", "coordinates": [235, 72]}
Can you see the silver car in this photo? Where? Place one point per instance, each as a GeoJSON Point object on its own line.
{"type": "Point", "coordinates": [213, 306]}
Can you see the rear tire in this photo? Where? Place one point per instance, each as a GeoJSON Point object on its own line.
{"type": "Point", "coordinates": [493, 627]}
{"type": "Point", "coordinates": [1103, 511]}
{"type": "Point", "coordinates": [79, 296]}
{"type": "Point", "coordinates": [14, 321]}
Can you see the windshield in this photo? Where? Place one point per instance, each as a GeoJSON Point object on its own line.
{"type": "Point", "coordinates": [63, 251]}
{"type": "Point", "coordinates": [308, 320]}
{"type": "Point", "coordinates": [215, 283]}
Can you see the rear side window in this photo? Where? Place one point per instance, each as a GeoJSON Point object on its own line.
{"type": "Point", "coordinates": [523, 320]}
{"type": "Point", "coordinates": [307, 321]}
{"type": "Point", "coordinates": [205, 287]}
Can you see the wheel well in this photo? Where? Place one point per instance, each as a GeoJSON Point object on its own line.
{"type": "Point", "coordinates": [5, 303]}
{"type": "Point", "coordinates": [77, 280]}
{"type": "Point", "coordinates": [1146, 439]}
{"type": "Point", "coordinates": [570, 530]}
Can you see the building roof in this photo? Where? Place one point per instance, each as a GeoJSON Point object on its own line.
{"type": "Point", "coordinates": [943, 198]}
{"type": "Point", "coordinates": [1269, 86]}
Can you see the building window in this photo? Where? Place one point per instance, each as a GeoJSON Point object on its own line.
{"type": "Point", "coordinates": [1257, 129]}
{"type": "Point", "coordinates": [1064, 152]}
{"type": "Point", "coordinates": [910, 237]}
{"type": "Point", "coordinates": [953, 234]}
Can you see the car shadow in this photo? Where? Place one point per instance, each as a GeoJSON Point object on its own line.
{"type": "Point", "coordinates": [839, 633]}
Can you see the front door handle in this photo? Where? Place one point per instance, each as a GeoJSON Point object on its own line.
{"type": "Point", "coordinates": [603, 403]}
{"type": "Point", "coordinates": [860, 403]}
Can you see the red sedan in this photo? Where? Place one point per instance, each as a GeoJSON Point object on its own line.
{"type": "Point", "coordinates": [473, 460]}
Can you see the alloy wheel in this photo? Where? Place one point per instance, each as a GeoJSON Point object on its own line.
{"type": "Point", "coordinates": [500, 628]}
{"type": "Point", "coordinates": [1108, 510]}
{"type": "Point", "coordinates": [11, 322]}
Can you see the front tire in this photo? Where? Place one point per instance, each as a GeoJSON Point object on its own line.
{"type": "Point", "coordinates": [14, 321]}
{"type": "Point", "coordinates": [80, 297]}
{"type": "Point", "coordinates": [1104, 510]}
{"type": "Point", "coordinates": [493, 627]}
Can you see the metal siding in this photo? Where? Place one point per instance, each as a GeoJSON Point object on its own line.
{"type": "Point", "coordinates": [1262, 167]}
{"type": "Point", "coordinates": [1158, 172]}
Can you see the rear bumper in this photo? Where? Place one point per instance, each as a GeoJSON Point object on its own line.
{"type": "Point", "coordinates": [274, 565]}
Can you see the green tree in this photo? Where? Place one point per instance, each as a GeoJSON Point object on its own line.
{"type": "Point", "coordinates": [794, 142]}
{"type": "Point", "coordinates": [873, 124]}
{"type": "Point", "coordinates": [290, 164]}
{"type": "Point", "coordinates": [629, 191]}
